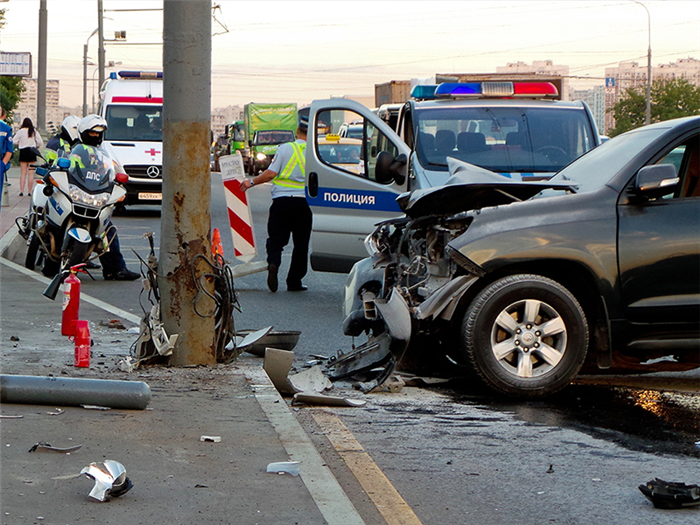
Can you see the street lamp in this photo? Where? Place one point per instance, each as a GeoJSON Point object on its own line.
{"type": "Point", "coordinates": [85, 65]}
{"type": "Point", "coordinates": [647, 117]}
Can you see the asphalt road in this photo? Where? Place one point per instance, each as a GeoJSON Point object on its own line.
{"type": "Point", "coordinates": [456, 454]}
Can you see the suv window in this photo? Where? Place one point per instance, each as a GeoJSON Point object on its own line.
{"type": "Point", "coordinates": [502, 139]}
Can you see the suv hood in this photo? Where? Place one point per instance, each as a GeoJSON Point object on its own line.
{"type": "Point", "coordinates": [471, 187]}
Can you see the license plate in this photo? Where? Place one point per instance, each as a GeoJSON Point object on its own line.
{"type": "Point", "coordinates": [150, 196]}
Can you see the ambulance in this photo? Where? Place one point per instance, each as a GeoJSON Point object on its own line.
{"type": "Point", "coordinates": [132, 104]}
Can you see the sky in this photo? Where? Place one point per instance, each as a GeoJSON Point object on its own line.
{"type": "Point", "coordinates": [298, 51]}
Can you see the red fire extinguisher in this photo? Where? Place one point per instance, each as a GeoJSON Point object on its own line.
{"type": "Point", "coordinates": [71, 300]}
{"type": "Point", "coordinates": [82, 344]}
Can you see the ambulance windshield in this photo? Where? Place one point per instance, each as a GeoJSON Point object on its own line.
{"type": "Point", "coordinates": [134, 123]}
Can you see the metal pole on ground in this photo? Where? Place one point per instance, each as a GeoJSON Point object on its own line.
{"type": "Point", "coordinates": [186, 214]}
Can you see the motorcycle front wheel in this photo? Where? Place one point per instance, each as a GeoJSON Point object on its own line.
{"type": "Point", "coordinates": [30, 259]}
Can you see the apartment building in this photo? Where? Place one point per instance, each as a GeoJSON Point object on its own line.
{"type": "Point", "coordinates": [629, 75]}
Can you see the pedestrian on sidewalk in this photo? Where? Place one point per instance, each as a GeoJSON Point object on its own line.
{"type": "Point", "coordinates": [289, 212]}
{"type": "Point", "coordinates": [27, 138]}
{"type": "Point", "coordinates": [6, 149]}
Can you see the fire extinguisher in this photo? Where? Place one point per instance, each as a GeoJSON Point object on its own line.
{"type": "Point", "coordinates": [71, 300]}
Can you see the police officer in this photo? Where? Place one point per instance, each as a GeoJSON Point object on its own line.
{"type": "Point", "coordinates": [289, 212]}
{"type": "Point", "coordinates": [91, 132]}
{"type": "Point", "coordinates": [6, 147]}
{"type": "Point", "coordinates": [66, 138]}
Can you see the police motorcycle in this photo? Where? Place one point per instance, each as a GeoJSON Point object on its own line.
{"type": "Point", "coordinates": [71, 210]}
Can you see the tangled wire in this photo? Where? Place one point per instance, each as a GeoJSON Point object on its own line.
{"type": "Point", "coordinates": [224, 298]}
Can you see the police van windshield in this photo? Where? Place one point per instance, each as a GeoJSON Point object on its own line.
{"type": "Point", "coordinates": [138, 123]}
{"type": "Point", "coordinates": [503, 139]}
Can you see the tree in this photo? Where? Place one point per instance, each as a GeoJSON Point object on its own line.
{"type": "Point", "coordinates": [11, 88]}
{"type": "Point", "coordinates": [669, 99]}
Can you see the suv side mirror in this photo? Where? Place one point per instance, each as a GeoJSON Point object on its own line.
{"type": "Point", "coordinates": [387, 168]}
{"type": "Point", "coordinates": [656, 180]}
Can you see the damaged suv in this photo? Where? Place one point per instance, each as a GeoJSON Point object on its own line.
{"type": "Point", "coordinates": [525, 281]}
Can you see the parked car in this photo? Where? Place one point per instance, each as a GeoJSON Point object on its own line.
{"type": "Point", "coordinates": [525, 281]}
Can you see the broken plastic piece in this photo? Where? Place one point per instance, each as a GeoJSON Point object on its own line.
{"type": "Point", "coordinates": [282, 340]}
{"type": "Point", "coordinates": [46, 447]}
{"type": "Point", "coordinates": [320, 399]}
{"type": "Point", "coordinates": [211, 439]}
{"type": "Point", "coordinates": [670, 494]}
{"type": "Point", "coordinates": [311, 380]}
{"type": "Point", "coordinates": [285, 467]}
{"type": "Point", "coordinates": [277, 365]}
{"type": "Point", "coordinates": [110, 479]}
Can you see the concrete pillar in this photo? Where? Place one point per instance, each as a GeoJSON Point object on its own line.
{"type": "Point", "coordinates": [186, 216]}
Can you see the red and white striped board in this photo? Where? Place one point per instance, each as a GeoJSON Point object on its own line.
{"type": "Point", "coordinates": [239, 215]}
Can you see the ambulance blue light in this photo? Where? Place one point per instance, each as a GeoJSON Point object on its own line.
{"type": "Point", "coordinates": [456, 89]}
{"type": "Point", "coordinates": [424, 91]}
{"type": "Point", "coordinates": [141, 74]}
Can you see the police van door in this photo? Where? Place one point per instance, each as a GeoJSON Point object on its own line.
{"type": "Point", "coordinates": [351, 181]}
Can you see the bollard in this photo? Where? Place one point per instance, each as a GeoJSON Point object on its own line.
{"type": "Point", "coordinates": [66, 391]}
{"type": "Point", "coordinates": [82, 344]}
{"type": "Point", "coordinates": [216, 247]}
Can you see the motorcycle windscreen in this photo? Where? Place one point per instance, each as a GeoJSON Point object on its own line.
{"type": "Point", "coordinates": [91, 168]}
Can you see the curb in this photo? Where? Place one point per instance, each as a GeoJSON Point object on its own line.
{"type": "Point", "coordinates": [11, 244]}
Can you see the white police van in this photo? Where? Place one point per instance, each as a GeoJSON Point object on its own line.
{"type": "Point", "coordinates": [132, 104]}
{"type": "Point", "coordinates": [518, 129]}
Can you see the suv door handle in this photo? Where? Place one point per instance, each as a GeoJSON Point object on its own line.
{"type": "Point", "coordinates": [312, 184]}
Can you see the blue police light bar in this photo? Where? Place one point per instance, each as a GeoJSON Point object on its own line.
{"type": "Point", "coordinates": [457, 89]}
{"type": "Point", "coordinates": [424, 91]}
{"type": "Point", "coordinates": [141, 74]}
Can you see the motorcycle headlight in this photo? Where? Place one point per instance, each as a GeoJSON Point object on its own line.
{"type": "Point", "coordinates": [79, 196]}
{"type": "Point", "coordinates": [261, 156]}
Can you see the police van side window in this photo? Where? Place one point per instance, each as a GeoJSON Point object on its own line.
{"type": "Point", "coordinates": [344, 153]}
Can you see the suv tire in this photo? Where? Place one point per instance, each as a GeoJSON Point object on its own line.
{"type": "Point", "coordinates": [525, 335]}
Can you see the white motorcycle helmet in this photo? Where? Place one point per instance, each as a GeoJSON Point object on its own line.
{"type": "Point", "coordinates": [69, 129]}
{"type": "Point", "coordinates": [92, 130]}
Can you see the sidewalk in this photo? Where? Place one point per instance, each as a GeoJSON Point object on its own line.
{"type": "Point", "coordinates": [177, 478]}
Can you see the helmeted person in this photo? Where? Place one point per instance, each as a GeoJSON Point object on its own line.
{"type": "Point", "coordinates": [289, 212]}
{"type": "Point", "coordinates": [67, 137]}
{"type": "Point", "coordinates": [91, 131]}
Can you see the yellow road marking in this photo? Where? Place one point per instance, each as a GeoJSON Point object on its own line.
{"type": "Point", "coordinates": [385, 497]}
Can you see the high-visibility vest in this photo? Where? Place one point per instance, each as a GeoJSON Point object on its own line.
{"type": "Point", "coordinates": [297, 159]}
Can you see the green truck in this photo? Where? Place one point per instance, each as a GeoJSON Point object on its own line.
{"type": "Point", "coordinates": [265, 126]}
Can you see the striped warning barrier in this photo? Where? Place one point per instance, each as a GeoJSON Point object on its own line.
{"type": "Point", "coordinates": [239, 215]}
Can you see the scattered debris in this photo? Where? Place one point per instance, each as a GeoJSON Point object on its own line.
{"type": "Point", "coordinates": [56, 412]}
{"type": "Point", "coordinates": [277, 364]}
{"type": "Point", "coordinates": [323, 400]}
{"type": "Point", "coordinates": [274, 339]}
{"type": "Point", "coordinates": [127, 364]}
{"type": "Point", "coordinates": [46, 447]}
{"type": "Point", "coordinates": [211, 439]}
{"type": "Point", "coordinates": [311, 380]}
{"type": "Point", "coordinates": [110, 479]}
{"type": "Point", "coordinates": [285, 467]}
{"type": "Point", "coordinates": [14, 338]}
{"type": "Point", "coordinates": [94, 407]}
{"type": "Point", "coordinates": [550, 470]}
{"type": "Point", "coordinates": [10, 417]}
{"type": "Point", "coordinates": [391, 384]}
{"type": "Point", "coordinates": [115, 324]}
{"type": "Point", "coordinates": [671, 494]}
{"type": "Point", "coordinates": [248, 339]}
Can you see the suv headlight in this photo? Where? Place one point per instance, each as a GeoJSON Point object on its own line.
{"type": "Point", "coordinates": [79, 196]}
{"type": "Point", "coordinates": [371, 244]}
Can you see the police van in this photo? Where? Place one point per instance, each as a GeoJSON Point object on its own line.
{"type": "Point", "coordinates": [521, 130]}
{"type": "Point", "coordinates": [132, 104]}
